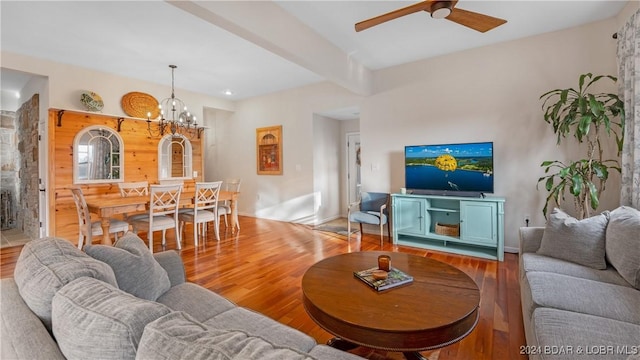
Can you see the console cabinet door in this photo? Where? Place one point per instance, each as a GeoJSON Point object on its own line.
{"type": "Point", "coordinates": [478, 222]}
{"type": "Point", "coordinates": [410, 216]}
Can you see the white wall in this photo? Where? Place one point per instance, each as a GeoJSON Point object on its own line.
{"type": "Point", "coordinates": [67, 82]}
{"type": "Point", "coordinates": [291, 196]}
{"type": "Point", "coordinates": [326, 168]}
{"type": "Point", "coordinates": [485, 94]}
{"type": "Point", "coordinates": [346, 127]}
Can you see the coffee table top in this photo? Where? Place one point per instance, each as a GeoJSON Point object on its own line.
{"type": "Point", "coordinates": [439, 308]}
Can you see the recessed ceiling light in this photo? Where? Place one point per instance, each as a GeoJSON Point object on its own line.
{"type": "Point", "coordinates": [17, 94]}
{"type": "Point", "coordinates": [228, 92]}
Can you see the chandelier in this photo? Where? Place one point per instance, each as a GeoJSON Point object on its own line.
{"type": "Point", "coordinates": [174, 118]}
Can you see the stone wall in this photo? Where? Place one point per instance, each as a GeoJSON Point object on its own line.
{"type": "Point", "coordinates": [27, 119]}
{"type": "Point", "coordinates": [9, 163]}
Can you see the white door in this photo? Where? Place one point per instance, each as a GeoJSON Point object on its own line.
{"type": "Point", "coordinates": [353, 166]}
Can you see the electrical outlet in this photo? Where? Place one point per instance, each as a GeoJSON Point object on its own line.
{"type": "Point", "coordinates": [527, 219]}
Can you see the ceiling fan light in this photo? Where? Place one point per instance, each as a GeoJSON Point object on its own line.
{"type": "Point", "coordinates": [441, 9]}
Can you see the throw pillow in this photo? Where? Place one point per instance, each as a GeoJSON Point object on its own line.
{"type": "Point", "coordinates": [578, 241]}
{"type": "Point", "coordinates": [46, 265]}
{"type": "Point", "coordinates": [137, 272]}
{"type": "Point", "coordinates": [94, 320]}
{"type": "Point", "coordinates": [179, 336]}
{"type": "Point", "coordinates": [623, 243]}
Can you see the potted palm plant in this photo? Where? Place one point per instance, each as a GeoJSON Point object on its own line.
{"type": "Point", "coordinates": [591, 118]}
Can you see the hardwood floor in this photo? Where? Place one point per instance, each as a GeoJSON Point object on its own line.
{"type": "Point", "coordinates": [261, 268]}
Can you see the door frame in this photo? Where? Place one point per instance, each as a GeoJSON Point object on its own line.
{"type": "Point", "coordinates": [353, 170]}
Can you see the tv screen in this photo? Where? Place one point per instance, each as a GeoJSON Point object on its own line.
{"type": "Point", "coordinates": [453, 169]}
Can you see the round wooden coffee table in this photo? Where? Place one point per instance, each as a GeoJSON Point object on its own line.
{"type": "Point", "coordinates": [439, 308]}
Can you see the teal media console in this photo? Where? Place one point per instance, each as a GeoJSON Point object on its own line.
{"type": "Point", "coordinates": [481, 222]}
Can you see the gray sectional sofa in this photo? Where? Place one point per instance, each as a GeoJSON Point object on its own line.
{"type": "Point", "coordinates": [580, 286]}
{"type": "Point", "coordinates": [122, 302]}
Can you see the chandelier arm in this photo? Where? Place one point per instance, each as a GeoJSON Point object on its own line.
{"type": "Point", "coordinates": [180, 120]}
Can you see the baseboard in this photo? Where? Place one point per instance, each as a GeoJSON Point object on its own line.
{"type": "Point", "coordinates": [511, 250]}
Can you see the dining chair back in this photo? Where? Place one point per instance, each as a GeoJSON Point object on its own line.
{"type": "Point", "coordinates": [205, 209]}
{"type": "Point", "coordinates": [175, 182]}
{"type": "Point", "coordinates": [224, 207]}
{"type": "Point", "coordinates": [88, 229]}
{"type": "Point", "coordinates": [163, 213]}
{"type": "Point", "coordinates": [171, 182]}
{"type": "Point", "coordinates": [370, 209]}
{"type": "Point", "coordinates": [137, 188]}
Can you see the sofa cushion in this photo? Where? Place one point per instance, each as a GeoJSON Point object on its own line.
{"type": "Point", "coordinates": [195, 300]}
{"type": "Point", "coordinates": [582, 296]}
{"type": "Point", "coordinates": [46, 265]}
{"type": "Point", "coordinates": [623, 243]}
{"type": "Point", "coordinates": [255, 324]}
{"type": "Point", "coordinates": [578, 241]}
{"type": "Point", "coordinates": [536, 262]}
{"type": "Point", "coordinates": [136, 270]}
{"type": "Point", "coordinates": [94, 320]}
{"type": "Point", "coordinates": [584, 334]}
{"type": "Point", "coordinates": [180, 336]}
{"type": "Point", "coordinates": [23, 336]}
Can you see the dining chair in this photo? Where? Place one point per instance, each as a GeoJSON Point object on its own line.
{"type": "Point", "coordinates": [371, 209]}
{"type": "Point", "coordinates": [137, 188]}
{"type": "Point", "coordinates": [205, 209]}
{"type": "Point", "coordinates": [163, 213]}
{"type": "Point", "coordinates": [175, 182]}
{"type": "Point", "coordinates": [224, 207]}
{"type": "Point", "coordinates": [87, 228]}
{"type": "Point", "coordinates": [171, 182]}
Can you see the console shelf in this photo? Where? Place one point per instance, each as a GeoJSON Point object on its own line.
{"type": "Point", "coordinates": [481, 223]}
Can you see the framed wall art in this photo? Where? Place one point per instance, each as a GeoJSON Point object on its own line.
{"type": "Point", "coordinates": [269, 150]}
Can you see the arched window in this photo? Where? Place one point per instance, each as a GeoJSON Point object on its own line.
{"type": "Point", "coordinates": [98, 156]}
{"type": "Point", "coordinates": [174, 158]}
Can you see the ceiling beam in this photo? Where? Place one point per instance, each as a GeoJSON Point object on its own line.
{"type": "Point", "coordinates": [267, 25]}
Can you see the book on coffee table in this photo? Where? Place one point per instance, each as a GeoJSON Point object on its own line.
{"type": "Point", "coordinates": [394, 278]}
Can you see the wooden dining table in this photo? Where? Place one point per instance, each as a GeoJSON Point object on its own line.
{"type": "Point", "coordinates": [108, 207]}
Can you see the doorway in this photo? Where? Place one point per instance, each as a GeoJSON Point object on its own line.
{"type": "Point", "coordinates": [354, 179]}
{"type": "Point", "coordinates": [24, 157]}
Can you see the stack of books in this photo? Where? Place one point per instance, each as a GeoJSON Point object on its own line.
{"type": "Point", "coordinates": [394, 278]}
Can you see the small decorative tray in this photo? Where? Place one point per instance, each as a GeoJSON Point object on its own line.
{"type": "Point", "coordinates": [138, 104]}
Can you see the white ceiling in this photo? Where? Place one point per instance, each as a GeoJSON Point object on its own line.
{"type": "Point", "coordinates": [255, 48]}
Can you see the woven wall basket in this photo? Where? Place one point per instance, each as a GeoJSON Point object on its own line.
{"type": "Point", "coordinates": [448, 229]}
{"type": "Point", "coordinates": [138, 104]}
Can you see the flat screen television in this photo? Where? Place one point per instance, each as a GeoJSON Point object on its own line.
{"type": "Point", "coordinates": [449, 169]}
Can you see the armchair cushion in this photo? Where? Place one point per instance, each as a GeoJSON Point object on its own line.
{"type": "Point", "coordinates": [372, 209]}
{"type": "Point", "coordinates": [373, 201]}
{"type": "Point", "coordinates": [369, 217]}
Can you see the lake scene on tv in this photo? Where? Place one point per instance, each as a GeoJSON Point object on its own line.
{"type": "Point", "coordinates": [450, 167]}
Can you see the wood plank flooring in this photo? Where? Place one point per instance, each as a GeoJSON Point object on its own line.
{"type": "Point", "coordinates": [261, 268]}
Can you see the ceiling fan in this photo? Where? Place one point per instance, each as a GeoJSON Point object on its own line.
{"type": "Point", "coordinates": [439, 10]}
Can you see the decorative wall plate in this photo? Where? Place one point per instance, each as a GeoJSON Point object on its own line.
{"type": "Point", "coordinates": [138, 104]}
{"type": "Point", "coordinates": [92, 101]}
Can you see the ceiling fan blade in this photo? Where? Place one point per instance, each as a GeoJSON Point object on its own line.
{"type": "Point", "coordinates": [423, 5]}
{"type": "Point", "coordinates": [473, 20]}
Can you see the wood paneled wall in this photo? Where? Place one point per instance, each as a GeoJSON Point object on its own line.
{"type": "Point", "coordinates": [140, 164]}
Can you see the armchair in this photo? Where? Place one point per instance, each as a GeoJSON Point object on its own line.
{"type": "Point", "coordinates": [370, 209]}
